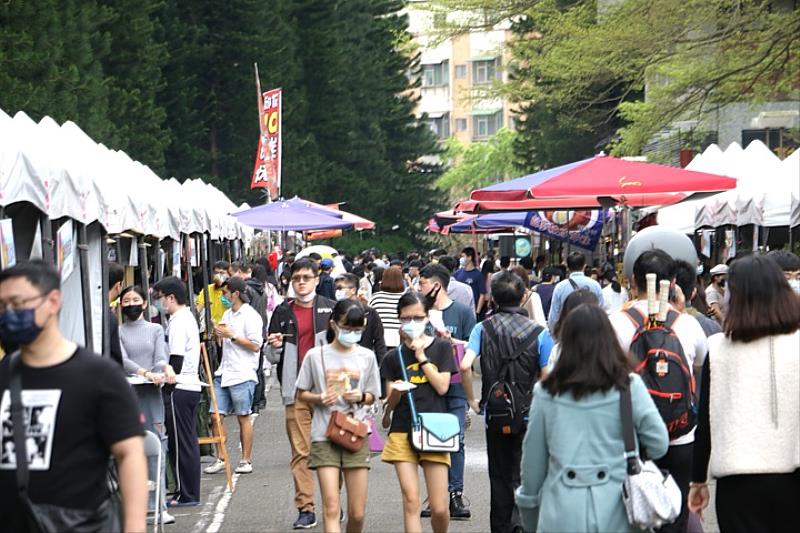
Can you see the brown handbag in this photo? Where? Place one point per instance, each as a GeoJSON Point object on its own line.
{"type": "Point", "coordinates": [343, 428]}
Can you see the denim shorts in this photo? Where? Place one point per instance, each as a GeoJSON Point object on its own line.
{"type": "Point", "coordinates": [234, 399]}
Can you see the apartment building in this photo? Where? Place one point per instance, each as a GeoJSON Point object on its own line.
{"type": "Point", "coordinates": [457, 74]}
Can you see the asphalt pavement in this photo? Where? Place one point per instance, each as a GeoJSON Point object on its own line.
{"type": "Point", "coordinates": [264, 500]}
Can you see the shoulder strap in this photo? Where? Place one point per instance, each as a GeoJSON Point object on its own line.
{"type": "Point", "coordinates": [524, 345]}
{"type": "Point", "coordinates": [572, 282]}
{"type": "Point", "coordinates": [672, 316]}
{"type": "Point", "coordinates": [412, 406]}
{"type": "Point", "coordinates": [628, 435]}
{"type": "Point", "coordinates": [636, 317]}
{"type": "Point", "coordinates": [18, 419]}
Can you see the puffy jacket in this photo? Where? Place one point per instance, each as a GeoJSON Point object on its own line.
{"type": "Point", "coordinates": [284, 321]}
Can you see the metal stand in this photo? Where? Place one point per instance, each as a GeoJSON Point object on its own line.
{"type": "Point", "coordinates": [86, 287]}
{"type": "Point", "coordinates": [143, 271]}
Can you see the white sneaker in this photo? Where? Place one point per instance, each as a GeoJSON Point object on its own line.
{"type": "Point", "coordinates": [167, 518]}
{"type": "Point", "coordinates": [215, 468]}
{"type": "Point", "coordinates": [244, 468]}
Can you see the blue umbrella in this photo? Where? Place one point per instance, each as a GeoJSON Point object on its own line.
{"type": "Point", "coordinates": [288, 215]}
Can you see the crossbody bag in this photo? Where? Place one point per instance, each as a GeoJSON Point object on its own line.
{"type": "Point", "coordinates": [430, 432]}
{"type": "Point", "coordinates": [343, 429]}
{"type": "Point", "coordinates": [45, 517]}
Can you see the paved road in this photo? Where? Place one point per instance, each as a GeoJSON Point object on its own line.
{"type": "Point", "coordinates": [264, 500]}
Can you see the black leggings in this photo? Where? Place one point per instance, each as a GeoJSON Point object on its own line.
{"type": "Point", "coordinates": [755, 503]}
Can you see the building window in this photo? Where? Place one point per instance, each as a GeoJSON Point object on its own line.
{"type": "Point", "coordinates": [435, 75]}
{"type": "Point", "coordinates": [484, 126]}
{"type": "Point", "coordinates": [461, 124]}
{"type": "Point", "coordinates": [778, 140]}
{"type": "Point", "coordinates": [485, 71]}
{"type": "Point", "coordinates": [440, 126]}
{"type": "Point", "coordinates": [461, 72]}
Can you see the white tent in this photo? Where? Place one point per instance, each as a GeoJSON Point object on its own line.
{"type": "Point", "coordinates": [762, 195]}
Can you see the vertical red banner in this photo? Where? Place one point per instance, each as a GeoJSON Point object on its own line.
{"type": "Point", "coordinates": [267, 169]}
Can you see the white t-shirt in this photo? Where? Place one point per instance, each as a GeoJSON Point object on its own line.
{"type": "Point", "coordinates": [690, 335]}
{"type": "Point", "coordinates": [612, 300]}
{"type": "Point", "coordinates": [183, 338]}
{"type": "Point", "coordinates": [238, 363]}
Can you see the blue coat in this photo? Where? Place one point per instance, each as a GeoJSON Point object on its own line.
{"type": "Point", "coordinates": [573, 461]}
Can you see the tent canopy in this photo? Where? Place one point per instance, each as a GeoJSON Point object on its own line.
{"type": "Point", "coordinates": [287, 215]}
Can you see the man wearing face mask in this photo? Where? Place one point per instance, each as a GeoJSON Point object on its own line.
{"type": "Point", "coordinates": [715, 293]}
{"type": "Point", "coordinates": [241, 331]}
{"type": "Point", "coordinates": [454, 321]}
{"type": "Point", "coordinates": [116, 274]}
{"type": "Point", "coordinates": [468, 273]}
{"type": "Point", "coordinates": [180, 403]}
{"type": "Point", "coordinates": [215, 292]}
{"type": "Point", "coordinates": [372, 336]}
{"type": "Point", "coordinates": [790, 264]}
{"type": "Point", "coordinates": [81, 406]}
{"type": "Point", "coordinates": [296, 326]}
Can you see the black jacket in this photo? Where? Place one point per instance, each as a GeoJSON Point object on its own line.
{"type": "Point", "coordinates": [372, 337]}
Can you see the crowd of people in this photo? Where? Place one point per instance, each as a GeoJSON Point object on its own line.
{"type": "Point", "coordinates": [400, 345]}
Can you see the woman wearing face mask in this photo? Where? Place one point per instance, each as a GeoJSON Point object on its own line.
{"type": "Point", "coordinates": [145, 355]}
{"type": "Point", "coordinates": [428, 363]}
{"type": "Point", "coordinates": [341, 376]}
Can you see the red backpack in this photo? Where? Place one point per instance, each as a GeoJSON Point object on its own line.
{"type": "Point", "coordinates": [664, 368]}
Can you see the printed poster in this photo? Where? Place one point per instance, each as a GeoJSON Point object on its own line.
{"type": "Point", "coordinates": [65, 243]}
{"type": "Point", "coordinates": [8, 253]}
{"type": "Point", "coordinates": [267, 168]}
{"type": "Point", "coordinates": [580, 228]}
{"type": "Point", "coordinates": [40, 411]}
{"type": "Point", "coordinates": [176, 258]}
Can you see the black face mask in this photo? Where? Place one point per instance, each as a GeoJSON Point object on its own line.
{"type": "Point", "coordinates": [721, 283]}
{"type": "Point", "coordinates": [132, 312]}
{"type": "Point", "coordinates": [430, 298]}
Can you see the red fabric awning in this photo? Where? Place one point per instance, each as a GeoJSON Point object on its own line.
{"type": "Point", "coordinates": [574, 202]}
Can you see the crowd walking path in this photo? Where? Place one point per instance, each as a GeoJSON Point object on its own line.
{"type": "Point", "coordinates": [263, 500]}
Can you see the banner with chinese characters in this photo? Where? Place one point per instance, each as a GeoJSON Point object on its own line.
{"type": "Point", "coordinates": [267, 169]}
{"type": "Point", "coordinates": [579, 228]}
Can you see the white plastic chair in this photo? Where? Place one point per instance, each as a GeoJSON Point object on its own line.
{"type": "Point", "coordinates": [152, 449]}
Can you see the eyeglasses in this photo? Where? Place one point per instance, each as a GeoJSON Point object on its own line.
{"type": "Point", "coordinates": [303, 279]}
{"type": "Point", "coordinates": [409, 319]}
{"type": "Point", "coordinates": [19, 304]}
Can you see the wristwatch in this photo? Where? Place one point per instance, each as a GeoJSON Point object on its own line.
{"type": "Point", "coordinates": [233, 340]}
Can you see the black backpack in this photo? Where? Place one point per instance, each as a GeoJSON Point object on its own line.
{"type": "Point", "coordinates": [507, 401]}
{"type": "Point", "coordinates": [664, 368]}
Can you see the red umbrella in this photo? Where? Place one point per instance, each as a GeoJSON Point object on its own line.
{"type": "Point", "coordinates": [605, 176]}
{"type": "Point", "coordinates": [572, 202]}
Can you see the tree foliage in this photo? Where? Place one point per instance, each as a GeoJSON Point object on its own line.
{"type": "Point", "coordinates": [171, 83]}
{"type": "Point", "coordinates": [479, 164]}
{"type": "Point", "coordinates": [590, 62]}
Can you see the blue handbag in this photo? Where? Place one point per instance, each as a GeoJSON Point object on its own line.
{"type": "Point", "coordinates": [431, 432]}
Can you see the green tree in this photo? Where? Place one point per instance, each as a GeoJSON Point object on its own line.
{"type": "Point", "coordinates": [479, 164]}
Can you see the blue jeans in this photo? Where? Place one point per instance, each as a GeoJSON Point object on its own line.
{"type": "Point", "coordinates": [455, 478]}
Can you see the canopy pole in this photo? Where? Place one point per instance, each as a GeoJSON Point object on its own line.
{"type": "Point", "coordinates": [189, 280]}
{"type": "Point", "coordinates": [207, 298]}
{"type": "Point", "coordinates": [144, 272]}
{"type": "Point", "coordinates": [48, 254]}
{"type": "Point", "coordinates": [86, 288]}
{"type": "Point", "coordinates": [106, 347]}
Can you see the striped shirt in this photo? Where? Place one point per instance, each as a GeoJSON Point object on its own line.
{"type": "Point", "coordinates": [385, 304]}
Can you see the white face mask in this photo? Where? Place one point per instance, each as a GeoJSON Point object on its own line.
{"type": "Point", "coordinates": [341, 294]}
{"type": "Point", "coordinates": [306, 298]}
{"type": "Point", "coordinates": [795, 285]}
{"type": "Point", "coordinates": [414, 329]}
{"type": "Point", "coordinates": [462, 262]}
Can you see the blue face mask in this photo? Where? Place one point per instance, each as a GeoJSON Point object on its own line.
{"type": "Point", "coordinates": [414, 329]}
{"type": "Point", "coordinates": [18, 326]}
{"type": "Point", "coordinates": [349, 338]}
{"type": "Point", "coordinates": [159, 306]}
{"type": "Point", "coordinates": [226, 303]}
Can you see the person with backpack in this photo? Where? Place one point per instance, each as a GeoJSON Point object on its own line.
{"type": "Point", "coordinates": [575, 281]}
{"type": "Point", "coordinates": [668, 356]}
{"type": "Point", "coordinates": [510, 365]}
{"type": "Point", "coordinates": [573, 455]}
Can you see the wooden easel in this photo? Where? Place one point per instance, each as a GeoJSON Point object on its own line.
{"type": "Point", "coordinates": [220, 438]}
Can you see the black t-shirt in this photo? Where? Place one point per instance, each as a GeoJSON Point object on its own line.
{"type": "Point", "coordinates": [426, 400]}
{"type": "Point", "coordinates": [77, 410]}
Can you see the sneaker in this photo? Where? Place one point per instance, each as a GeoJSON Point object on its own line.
{"type": "Point", "coordinates": [458, 511]}
{"type": "Point", "coordinates": [426, 511]}
{"type": "Point", "coordinates": [215, 468]}
{"type": "Point", "coordinates": [167, 518]}
{"type": "Point", "coordinates": [244, 468]}
{"type": "Point", "coordinates": [305, 520]}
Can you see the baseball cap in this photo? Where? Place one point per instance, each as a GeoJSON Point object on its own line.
{"type": "Point", "coordinates": [326, 263]}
